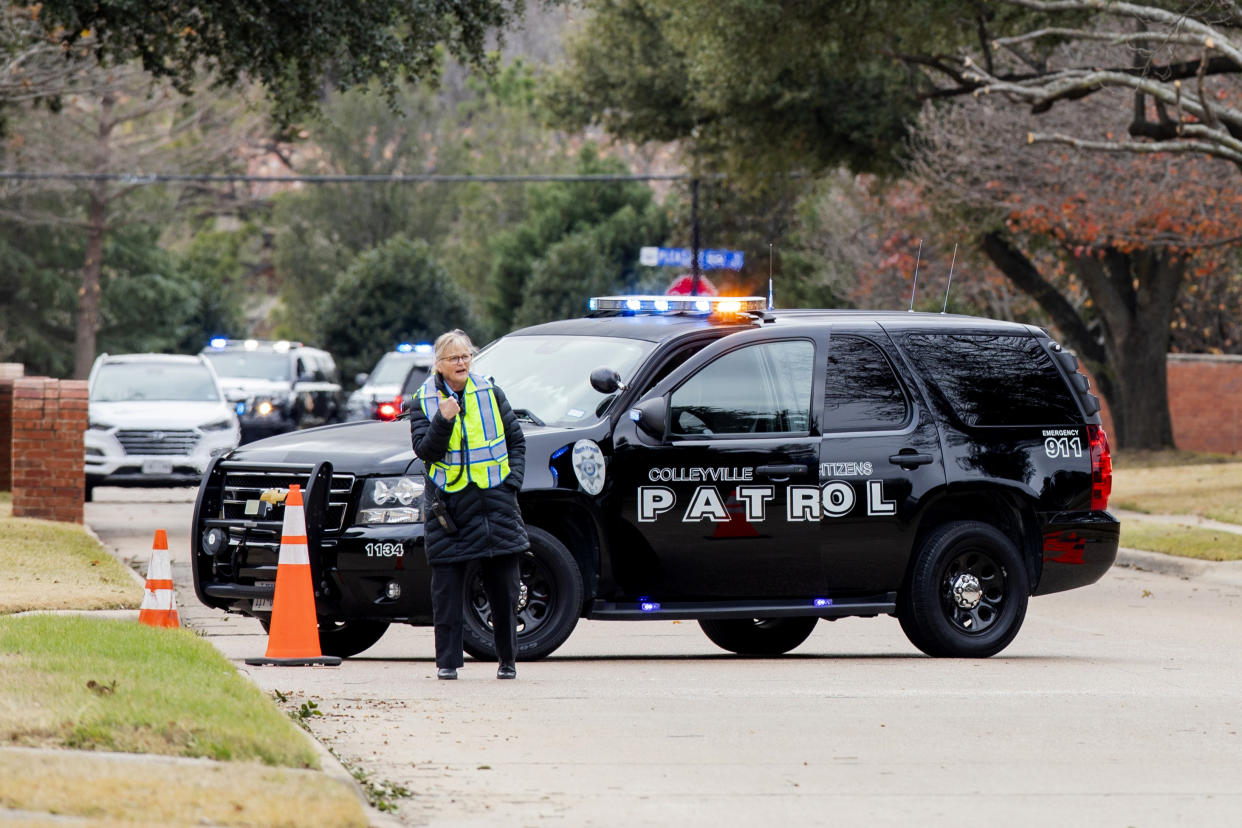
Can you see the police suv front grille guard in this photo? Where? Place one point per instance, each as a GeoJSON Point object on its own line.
{"type": "Point", "coordinates": [241, 489]}
{"type": "Point", "coordinates": [245, 484]}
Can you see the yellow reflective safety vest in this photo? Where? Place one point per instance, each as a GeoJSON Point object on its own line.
{"type": "Point", "coordinates": [484, 459]}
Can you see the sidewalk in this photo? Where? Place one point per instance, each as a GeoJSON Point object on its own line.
{"type": "Point", "coordinates": [1223, 572]}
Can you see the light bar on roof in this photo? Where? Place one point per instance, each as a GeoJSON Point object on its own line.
{"type": "Point", "coordinates": [678, 304]}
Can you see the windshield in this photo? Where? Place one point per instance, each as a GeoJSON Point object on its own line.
{"type": "Point", "coordinates": [392, 368]}
{"type": "Point", "coordinates": [550, 376]}
{"type": "Point", "coordinates": [250, 364]}
{"type": "Point", "coordinates": [125, 381]}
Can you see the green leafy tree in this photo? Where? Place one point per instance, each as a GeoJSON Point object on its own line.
{"type": "Point", "coordinates": [469, 126]}
{"type": "Point", "coordinates": [291, 48]}
{"type": "Point", "coordinates": [755, 84]}
{"type": "Point", "coordinates": [37, 296]}
{"type": "Point", "coordinates": [601, 224]}
{"type": "Point", "coordinates": [147, 302]}
{"type": "Point", "coordinates": [119, 121]}
{"type": "Point", "coordinates": [221, 266]}
{"type": "Point", "coordinates": [593, 259]}
{"type": "Point", "coordinates": [396, 292]}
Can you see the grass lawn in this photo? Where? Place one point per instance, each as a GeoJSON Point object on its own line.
{"type": "Point", "coordinates": [1210, 490]}
{"type": "Point", "coordinates": [96, 684]}
{"type": "Point", "coordinates": [1183, 541]}
{"type": "Point", "coordinates": [49, 565]}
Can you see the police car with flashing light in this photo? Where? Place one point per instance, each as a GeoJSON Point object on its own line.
{"type": "Point", "coordinates": [754, 470]}
{"type": "Point", "coordinates": [276, 386]}
{"type": "Point", "coordinates": [378, 396]}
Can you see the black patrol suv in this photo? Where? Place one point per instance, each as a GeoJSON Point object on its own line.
{"type": "Point", "coordinates": [754, 470]}
{"type": "Point", "coordinates": [276, 386]}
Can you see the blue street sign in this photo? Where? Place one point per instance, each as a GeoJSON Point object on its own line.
{"type": "Point", "coordinates": [680, 257]}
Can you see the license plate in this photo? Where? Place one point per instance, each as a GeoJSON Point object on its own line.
{"type": "Point", "coordinates": [262, 604]}
{"type": "Point", "coordinates": [157, 467]}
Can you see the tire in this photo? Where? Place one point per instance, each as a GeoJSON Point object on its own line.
{"type": "Point", "coordinates": [549, 603]}
{"type": "Point", "coordinates": [987, 569]}
{"type": "Point", "coordinates": [758, 636]}
{"type": "Point", "coordinates": [344, 639]}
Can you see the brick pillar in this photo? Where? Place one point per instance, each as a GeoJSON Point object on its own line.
{"type": "Point", "coordinates": [49, 461]}
{"type": "Point", "coordinates": [9, 371]}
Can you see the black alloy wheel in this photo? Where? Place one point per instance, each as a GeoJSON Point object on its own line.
{"type": "Point", "coordinates": [967, 593]}
{"type": "Point", "coordinates": [549, 601]}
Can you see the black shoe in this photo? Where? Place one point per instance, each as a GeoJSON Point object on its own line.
{"type": "Point", "coordinates": [446, 673]}
{"type": "Point", "coordinates": [506, 671]}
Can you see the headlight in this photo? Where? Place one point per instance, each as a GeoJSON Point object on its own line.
{"type": "Point", "coordinates": [264, 408]}
{"type": "Point", "coordinates": [391, 500]}
{"type": "Point", "coordinates": [218, 425]}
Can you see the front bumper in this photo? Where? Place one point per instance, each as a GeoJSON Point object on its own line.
{"type": "Point", "coordinates": [108, 463]}
{"type": "Point", "coordinates": [237, 537]}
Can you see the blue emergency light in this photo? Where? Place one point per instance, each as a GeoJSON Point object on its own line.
{"type": "Point", "coordinates": [678, 304]}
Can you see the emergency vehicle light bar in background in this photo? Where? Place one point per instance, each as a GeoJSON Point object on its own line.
{"type": "Point", "coordinates": [220, 342]}
{"type": "Point", "coordinates": [678, 304]}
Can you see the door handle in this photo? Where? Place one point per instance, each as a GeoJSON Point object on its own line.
{"type": "Point", "coordinates": [782, 470]}
{"type": "Point", "coordinates": [910, 460]}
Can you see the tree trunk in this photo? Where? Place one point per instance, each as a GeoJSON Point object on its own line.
{"type": "Point", "coordinates": [1134, 294]}
{"type": "Point", "coordinates": [88, 294]}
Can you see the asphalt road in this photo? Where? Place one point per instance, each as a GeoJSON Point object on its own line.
{"type": "Point", "coordinates": [1117, 705]}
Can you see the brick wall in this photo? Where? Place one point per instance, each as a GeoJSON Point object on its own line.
{"type": "Point", "coordinates": [49, 418]}
{"type": "Point", "coordinates": [1205, 402]}
{"type": "Point", "coordinates": [9, 371]}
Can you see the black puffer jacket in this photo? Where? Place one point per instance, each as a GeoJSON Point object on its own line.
{"type": "Point", "coordinates": [489, 522]}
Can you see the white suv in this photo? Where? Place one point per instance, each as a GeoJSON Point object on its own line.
{"type": "Point", "coordinates": [155, 420]}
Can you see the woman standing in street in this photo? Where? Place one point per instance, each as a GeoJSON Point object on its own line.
{"type": "Point", "coordinates": [474, 454]}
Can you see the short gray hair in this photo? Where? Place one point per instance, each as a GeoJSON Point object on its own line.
{"type": "Point", "coordinates": [454, 337]}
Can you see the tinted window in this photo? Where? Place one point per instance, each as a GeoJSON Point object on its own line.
{"type": "Point", "coordinates": [995, 380]}
{"type": "Point", "coordinates": [754, 390]}
{"type": "Point", "coordinates": [862, 393]}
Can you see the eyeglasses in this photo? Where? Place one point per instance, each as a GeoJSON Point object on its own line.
{"type": "Point", "coordinates": [459, 359]}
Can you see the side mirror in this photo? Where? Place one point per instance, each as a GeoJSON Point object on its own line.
{"type": "Point", "coordinates": [360, 379]}
{"type": "Point", "coordinates": [651, 416]}
{"type": "Point", "coordinates": [606, 380]}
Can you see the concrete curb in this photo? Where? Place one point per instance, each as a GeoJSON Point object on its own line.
{"type": "Point", "coordinates": [1220, 572]}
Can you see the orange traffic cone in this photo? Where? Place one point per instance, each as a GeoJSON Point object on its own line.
{"type": "Point", "coordinates": [159, 604]}
{"type": "Point", "coordinates": [293, 637]}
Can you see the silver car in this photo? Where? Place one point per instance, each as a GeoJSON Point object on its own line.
{"type": "Point", "coordinates": [155, 420]}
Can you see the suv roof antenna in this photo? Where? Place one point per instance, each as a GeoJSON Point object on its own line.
{"type": "Point", "coordinates": [950, 284]}
{"type": "Point", "coordinates": [770, 305]}
{"type": "Point", "coordinates": [914, 286]}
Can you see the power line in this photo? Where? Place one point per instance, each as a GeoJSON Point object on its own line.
{"type": "Point", "coordinates": [162, 178]}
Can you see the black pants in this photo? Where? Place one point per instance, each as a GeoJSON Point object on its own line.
{"type": "Point", "coordinates": [500, 583]}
